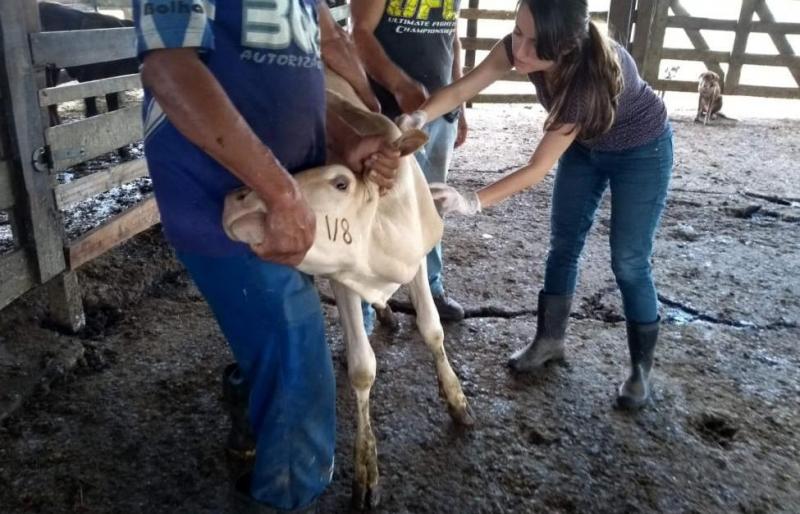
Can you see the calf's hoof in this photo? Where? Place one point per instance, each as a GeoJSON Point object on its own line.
{"type": "Point", "coordinates": [462, 415]}
{"type": "Point", "coordinates": [365, 496]}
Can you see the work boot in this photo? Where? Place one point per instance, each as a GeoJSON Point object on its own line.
{"type": "Point", "coordinates": [241, 502]}
{"type": "Point", "coordinates": [548, 343]}
{"type": "Point", "coordinates": [449, 309]}
{"type": "Point", "coordinates": [235, 397]}
{"type": "Point", "coordinates": [635, 391]}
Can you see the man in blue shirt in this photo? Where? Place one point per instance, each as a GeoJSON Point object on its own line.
{"type": "Point", "coordinates": [235, 95]}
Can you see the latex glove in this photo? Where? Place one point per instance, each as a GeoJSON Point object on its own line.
{"type": "Point", "coordinates": [415, 120]}
{"type": "Point", "coordinates": [448, 200]}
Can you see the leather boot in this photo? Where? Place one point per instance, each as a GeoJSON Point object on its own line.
{"type": "Point", "coordinates": [548, 343]}
{"type": "Point", "coordinates": [235, 397]}
{"type": "Point", "coordinates": [449, 309]}
{"type": "Point", "coordinates": [635, 391]}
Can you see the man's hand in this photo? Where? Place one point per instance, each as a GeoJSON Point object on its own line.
{"type": "Point", "coordinates": [373, 155]}
{"type": "Point", "coordinates": [289, 229]}
{"type": "Point", "coordinates": [448, 200]}
{"type": "Point", "coordinates": [410, 95]}
{"type": "Point", "coordinates": [463, 129]}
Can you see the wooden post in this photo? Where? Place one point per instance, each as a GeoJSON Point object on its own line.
{"type": "Point", "coordinates": [472, 31]}
{"type": "Point", "coordinates": [641, 39]}
{"type": "Point", "coordinates": [655, 45]}
{"type": "Point", "coordinates": [620, 21]}
{"type": "Point", "coordinates": [36, 200]}
{"type": "Point", "coordinates": [65, 302]}
{"type": "Point", "coordinates": [740, 44]}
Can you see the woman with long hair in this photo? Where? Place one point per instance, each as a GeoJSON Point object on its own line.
{"type": "Point", "coordinates": [606, 128]}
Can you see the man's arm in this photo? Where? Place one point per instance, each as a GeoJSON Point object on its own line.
{"type": "Point", "coordinates": [196, 104]}
{"type": "Point", "coordinates": [366, 15]}
{"type": "Point", "coordinates": [340, 55]}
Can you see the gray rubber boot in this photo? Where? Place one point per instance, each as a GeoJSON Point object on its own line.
{"type": "Point", "coordinates": [236, 396]}
{"type": "Point", "coordinates": [635, 391]}
{"type": "Point", "coordinates": [548, 343]}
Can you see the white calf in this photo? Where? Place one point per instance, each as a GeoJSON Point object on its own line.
{"type": "Point", "coordinates": [368, 245]}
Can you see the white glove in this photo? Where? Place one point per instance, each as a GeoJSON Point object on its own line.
{"type": "Point", "coordinates": [448, 200]}
{"type": "Point", "coordinates": [415, 120]}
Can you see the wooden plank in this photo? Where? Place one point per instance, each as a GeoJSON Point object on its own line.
{"type": "Point", "coordinates": [695, 23]}
{"type": "Point", "coordinates": [687, 54]}
{"type": "Point", "coordinates": [494, 14]}
{"type": "Point", "coordinates": [6, 187]}
{"type": "Point", "coordinates": [779, 40]}
{"type": "Point", "coordinates": [740, 44]}
{"type": "Point", "coordinates": [67, 93]}
{"type": "Point", "coordinates": [511, 76]}
{"type": "Point", "coordinates": [769, 25]}
{"type": "Point", "coordinates": [99, 182]}
{"type": "Point", "coordinates": [658, 30]}
{"type": "Point", "coordinates": [77, 47]}
{"type": "Point", "coordinates": [686, 86]}
{"type": "Point", "coordinates": [645, 11]}
{"type": "Point", "coordinates": [696, 38]}
{"type": "Point", "coordinates": [17, 275]}
{"type": "Point", "coordinates": [86, 139]}
{"type": "Point", "coordinates": [478, 43]}
{"type": "Point", "coordinates": [620, 21]}
{"type": "Point", "coordinates": [472, 33]}
{"type": "Point", "coordinates": [118, 229]}
{"type": "Point", "coordinates": [505, 99]}
{"type": "Point", "coordinates": [65, 302]}
{"type": "Point", "coordinates": [18, 18]}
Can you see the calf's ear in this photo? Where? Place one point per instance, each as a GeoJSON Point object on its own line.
{"type": "Point", "coordinates": [410, 141]}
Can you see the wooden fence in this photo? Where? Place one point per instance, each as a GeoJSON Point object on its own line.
{"type": "Point", "coordinates": [31, 152]}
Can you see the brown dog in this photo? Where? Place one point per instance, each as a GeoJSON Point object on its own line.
{"type": "Point", "coordinates": [710, 102]}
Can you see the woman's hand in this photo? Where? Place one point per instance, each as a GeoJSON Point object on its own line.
{"type": "Point", "coordinates": [373, 155]}
{"type": "Point", "coordinates": [415, 120]}
{"type": "Point", "coordinates": [448, 200]}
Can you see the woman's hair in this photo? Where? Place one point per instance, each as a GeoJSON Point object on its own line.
{"type": "Point", "coordinates": [587, 72]}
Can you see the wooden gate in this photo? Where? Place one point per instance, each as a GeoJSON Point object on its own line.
{"type": "Point", "coordinates": [652, 18]}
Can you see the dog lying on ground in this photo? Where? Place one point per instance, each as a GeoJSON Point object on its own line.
{"type": "Point", "coordinates": [709, 102]}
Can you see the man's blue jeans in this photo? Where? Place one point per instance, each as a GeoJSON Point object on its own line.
{"type": "Point", "coordinates": [638, 179]}
{"type": "Point", "coordinates": [272, 318]}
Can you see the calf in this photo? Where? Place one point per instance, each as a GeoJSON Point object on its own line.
{"type": "Point", "coordinates": [709, 102]}
{"type": "Point", "coordinates": [58, 17]}
{"type": "Point", "coordinates": [368, 245]}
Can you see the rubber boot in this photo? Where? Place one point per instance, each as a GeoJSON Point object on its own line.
{"type": "Point", "coordinates": [548, 343]}
{"type": "Point", "coordinates": [635, 391]}
{"type": "Point", "coordinates": [236, 395]}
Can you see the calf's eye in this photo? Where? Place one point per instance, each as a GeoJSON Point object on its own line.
{"type": "Point", "coordinates": [341, 182]}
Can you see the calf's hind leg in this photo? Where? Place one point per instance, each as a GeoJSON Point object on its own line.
{"type": "Point", "coordinates": [361, 367]}
{"type": "Point", "coordinates": [430, 327]}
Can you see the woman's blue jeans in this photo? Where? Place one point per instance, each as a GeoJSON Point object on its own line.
{"type": "Point", "coordinates": [272, 318]}
{"type": "Point", "coordinates": [638, 179]}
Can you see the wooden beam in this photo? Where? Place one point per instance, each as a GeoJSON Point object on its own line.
{"type": "Point", "coordinates": [688, 54]}
{"type": "Point", "coordinates": [656, 41]}
{"type": "Point", "coordinates": [17, 275]}
{"type": "Point", "coordinates": [67, 93]}
{"type": "Point", "coordinates": [686, 86]}
{"type": "Point", "coordinates": [65, 302]}
{"type": "Point", "coordinates": [740, 44]}
{"type": "Point", "coordinates": [645, 11]}
{"type": "Point", "coordinates": [620, 21]}
{"type": "Point", "coordinates": [118, 229]}
{"type": "Point", "coordinates": [779, 40]}
{"type": "Point", "coordinates": [18, 18]}
{"type": "Point", "coordinates": [7, 198]}
{"type": "Point", "coordinates": [505, 99]}
{"type": "Point", "coordinates": [768, 24]}
{"type": "Point", "coordinates": [99, 182]}
{"type": "Point", "coordinates": [696, 38]}
{"type": "Point", "coordinates": [89, 138]}
{"type": "Point", "coordinates": [478, 43]}
{"type": "Point", "coordinates": [494, 14]}
{"type": "Point", "coordinates": [77, 47]}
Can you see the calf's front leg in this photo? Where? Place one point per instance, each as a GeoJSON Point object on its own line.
{"type": "Point", "coordinates": [430, 327]}
{"type": "Point", "coordinates": [361, 368]}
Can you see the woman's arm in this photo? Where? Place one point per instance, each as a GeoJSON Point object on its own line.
{"type": "Point", "coordinates": [488, 71]}
{"type": "Point", "coordinates": [550, 149]}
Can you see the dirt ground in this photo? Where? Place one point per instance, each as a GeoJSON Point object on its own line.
{"type": "Point", "coordinates": [125, 417]}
